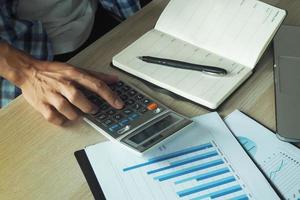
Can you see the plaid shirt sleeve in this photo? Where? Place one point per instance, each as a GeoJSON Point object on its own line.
{"type": "Point", "coordinates": [121, 8]}
{"type": "Point", "coordinates": [30, 36]}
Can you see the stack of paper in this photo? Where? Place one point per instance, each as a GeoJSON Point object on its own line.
{"type": "Point", "coordinates": [203, 161]}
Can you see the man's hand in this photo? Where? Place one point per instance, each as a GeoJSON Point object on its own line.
{"type": "Point", "coordinates": [53, 88]}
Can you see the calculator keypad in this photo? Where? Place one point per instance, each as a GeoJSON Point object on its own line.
{"type": "Point", "coordinates": [137, 110]}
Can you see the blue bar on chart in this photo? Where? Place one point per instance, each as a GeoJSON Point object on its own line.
{"type": "Point", "coordinates": [205, 175]}
{"type": "Point", "coordinates": [185, 161]}
{"type": "Point", "coordinates": [205, 186]}
{"type": "Point", "coordinates": [200, 167]}
{"type": "Point", "coordinates": [223, 192]}
{"type": "Point", "coordinates": [189, 170]}
{"type": "Point", "coordinates": [171, 155]}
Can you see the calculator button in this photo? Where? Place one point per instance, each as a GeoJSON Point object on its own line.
{"type": "Point", "coordinates": [104, 107]}
{"type": "Point", "coordinates": [120, 84]}
{"type": "Point", "coordinates": [119, 92]}
{"type": "Point", "coordinates": [124, 97]}
{"type": "Point", "coordinates": [129, 102]}
{"type": "Point", "coordinates": [152, 106]}
{"type": "Point", "coordinates": [146, 101]}
{"type": "Point", "coordinates": [101, 117]}
{"type": "Point", "coordinates": [136, 106]}
{"type": "Point", "coordinates": [127, 111]}
{"type": "Point", "coordinates": [133, 116]}
{"type": "Point", "coordinates": [111, 112]}
{"type": "Point", "coordinates": [112, 87]}
{"type": "Point", "coordinates": [97, 113]}
{"type": "Point", "coordinates": [123, 130]}
{"type": "Point", "coordinates": [108, 122]}
{"type": "Point", "coordinates": [95, 101]}
{"type": "Point", "coordinates": [143, 110]}
{"type": "Point", "coordinates": [114, 127]}
{"type": "Point", "coordinates": [158, 110]}
{"type": "Point", "coordinates": [126, 88]}
{"type": "Point", "coordinates": [132, 92]}
{"type": "Point", "coordinates": [118, 117]}
{"type": "Point", "coordinates": [124, 122]}
{"type": "Point", "coordinates": [139, 97]}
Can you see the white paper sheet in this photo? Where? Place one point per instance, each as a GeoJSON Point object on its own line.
{"type": "Point", "coordinates": [279, 160]}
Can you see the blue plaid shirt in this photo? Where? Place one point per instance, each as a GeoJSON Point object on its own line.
{"type": "Point", "coordinates": [30, 36]}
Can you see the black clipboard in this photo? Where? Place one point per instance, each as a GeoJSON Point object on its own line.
{"type": "Point", "coordinates": [89, 174]}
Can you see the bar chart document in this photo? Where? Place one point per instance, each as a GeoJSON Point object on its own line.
{"type": "Point", "coordinates": [203, 161]}
{"type": "Point", "coordinates": [230, 34]}
{"type": "Point", "coordinates": [280, 161]}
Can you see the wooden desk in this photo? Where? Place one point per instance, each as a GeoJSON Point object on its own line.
{"type": "Point", "coordinates": [36, 158]}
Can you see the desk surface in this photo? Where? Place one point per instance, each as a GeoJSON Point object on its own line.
{"type": "Point", "coordinates": [37, 159]}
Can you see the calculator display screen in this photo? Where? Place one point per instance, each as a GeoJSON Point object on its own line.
{"type": "Point", "coordinates": [153, 129]}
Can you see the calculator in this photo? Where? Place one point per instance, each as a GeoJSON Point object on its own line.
{"type": "Point", "coordinates": [140, 125]}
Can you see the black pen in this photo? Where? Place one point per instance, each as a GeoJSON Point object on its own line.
{"type": "Point", "coordinates": [183, 65]}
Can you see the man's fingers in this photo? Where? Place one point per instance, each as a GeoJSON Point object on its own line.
{"type": "Point", "coordinates": [78, 99]}
{"type": "Point", "coordinates": [100, 88]}
{"type": "Point", "coordinates": [51, 115]}
{"type": "Point", "coordinates": [95, 84]}
{"type": "Point", "coordinates": [63, 106]}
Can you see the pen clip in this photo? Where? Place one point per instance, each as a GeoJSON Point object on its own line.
{"type": "Point", "coordinates": [213, 74]}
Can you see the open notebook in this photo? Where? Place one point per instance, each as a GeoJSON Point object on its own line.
{"type": "Point", "coordinates": [231, 34]}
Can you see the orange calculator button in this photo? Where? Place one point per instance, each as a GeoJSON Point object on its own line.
{"type": "Point", "coordinates": [152, 106]}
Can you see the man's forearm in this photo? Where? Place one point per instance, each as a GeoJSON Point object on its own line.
{"type": "Point", "coordinates": [6, 71]}
{"type": "Point", "coordinates": [14, 64]}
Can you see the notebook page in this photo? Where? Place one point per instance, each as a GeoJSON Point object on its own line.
{"type": "Point", "coordinates": [199, 87]}
{"type": "Point", "coordinates": [236, 29]}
